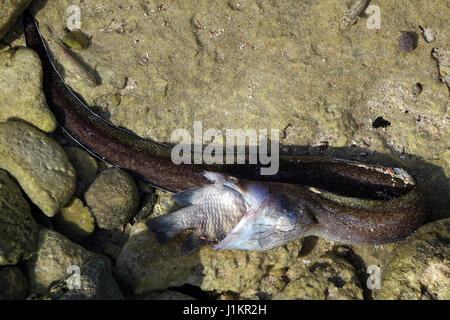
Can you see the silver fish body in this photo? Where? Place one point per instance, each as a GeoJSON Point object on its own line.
{"type": "Point", "coordinates": [233, 214]}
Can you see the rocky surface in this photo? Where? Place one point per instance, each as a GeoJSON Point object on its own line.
{"type": "Point", "coordinates": [113, 198]}
{"type": "Point", "coordinates": [85, 165]}
{"type": "Point", "coordinates": [328, 277]}
{"type": "Point", "coordinates": [57, 258]}
{"type": "Point", "coordinates": [419, 267]}
{"type": "Point", "coordinates": [144, 265]}
{"type": "Point", "coordinates": [108, 242]}
{"type": "Point", "coordinates": [314, 70]}
{"type": "Point", "coordinates": [39, 164]}
{"type": "Point", "coordinates": [18, 230]}
{"type": "Point", "coordinates": [95, 284]}
{"type": "Point", "coordinates": [13, 284]}
{"type": "Point", "coordinates": [75, 220]}
{"type": "Point", "coordinates": [21, 95]}
{"type": "Point", "coordinates": [10, 10]}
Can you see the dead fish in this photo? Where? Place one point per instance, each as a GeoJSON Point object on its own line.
{"type": "Point", "coordinates": [224, 213]}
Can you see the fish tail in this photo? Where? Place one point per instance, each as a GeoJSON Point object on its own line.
{"type": "Point", "coordinates": [165, 227]}
{"type": "Point", "coordinates": [169, 225]}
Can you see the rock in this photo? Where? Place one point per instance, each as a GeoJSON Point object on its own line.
{"type": "Point", "coordinates": [147, 206]}
{"type": "Point", "coordinates": [442, 56]}
{"type": "Point", "coordinates": [21, 94]}
{"type": "Point", "coordinates": [113, 198]}
{"type": "Point", "coordinates": [76, 40]}
{"type": "Point", "coordinates": [75, 220]}
{"type": "Point", "coordinates": [419, 267]}
{"type": "Point", "coordinates": [13, 284]}
{"type": "Point", "coordinates": [4, 47]}
{"type": "Point", "coordinates": [237, 4]}
{"type": "Point", "coordinates": [9, 11]}
{"type": "Point", "coordinates": [39, 164]}
{"type": "Point", "coordinates": [108, 242]}
{"type": "Point", "coordinates": [95, 284]}
{"type": "Point", "coordinates": [144, 265]}
{"type": "Point", "coordinates": [58, 257]}
{"type": "Point", "coordinates": [352, 13]}
{"type": "Point", "coordinates": [328, 278]}
{"type": "Point", "coordinates": [164, 203]}
{"type": "Point", "coordinates": [85, 165]}
{"type": "Point", "coordinates": [18, 230]}
{"type": "Point", "coordinates": [408, 41]}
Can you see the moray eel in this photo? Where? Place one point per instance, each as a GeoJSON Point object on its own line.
{"type": "Point", "coordinates": [234, 206]}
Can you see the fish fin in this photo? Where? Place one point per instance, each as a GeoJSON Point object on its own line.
{"type": "Point", "coordinates": [165, 227]}
{"type": "Point", "coordinates": [185, 198]}
{"type": "Point", "coordinates": [214, 176]}
{"type": "Point", "coordinates": [243, 234]}
{"type": "Point", "coordinates": [193, 242]}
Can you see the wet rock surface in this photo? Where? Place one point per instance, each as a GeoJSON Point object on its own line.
{"type": "Point", "coordinates": [10, 10]}
{"type": "Point", "coordinates": [21, 95]}
{"type": "Point", "coordinates": [39, 164]}
{"type": "Point", "coordinates": [13, 284]}
{"type": "Point", "coordinates": [113, 198]}
{"type": "Point", "coordinates": [95, 283]}
{"type": "Point", "coordinates": [144, 265]}
{"type": "Point", "coordinates": [75, 220]}
{"type": "Point", "coordinates": [327, 278]}
{"type": "Point", "coordinates": [85, 164]}
{"type": "Point", "coordinates": [419, 267]}
{"type": "Point", "coordinates": [18, 230]}
{"type": "Point", "coordinates": [56, 260]}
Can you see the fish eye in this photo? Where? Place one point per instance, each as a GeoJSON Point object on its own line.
{"type": "Point", "coordinates": [233, 180]}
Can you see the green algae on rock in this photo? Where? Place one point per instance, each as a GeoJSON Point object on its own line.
{"type": "Point", "coordinates": [75, 40]}
{"type": "Point", "coordinates": [113, 198]}
{"type": "Point", "coordinates": [10, 10]}
{"type": "Point", "coordinates": [55, 255]}
{"type": "Point", "coordinates": [75, 220]}
{"type": "Point", "coordinates": [329, 277]}
{"type": "Point", "coordinates": [39, 164]}
{"type": "Point", "coordinates": [13, 284]}
{"type": "Point", "coordinates": [18, 230]}
{"type": "Point", "coordinates": [21, 93]}
{"type": "Point", "coordinates": [419, 267]}
{"type": "Point", "coordinates": [144, 265]}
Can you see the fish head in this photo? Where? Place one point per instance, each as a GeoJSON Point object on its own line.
{"type": "Point", "coordinates": [271, 220]}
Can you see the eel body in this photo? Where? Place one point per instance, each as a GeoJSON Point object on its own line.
{"type": "Point", "coordinates": [341, 200]}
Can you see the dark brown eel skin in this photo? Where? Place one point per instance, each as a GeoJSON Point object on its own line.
{"type": "Point", "coordinates": [348, 201]}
